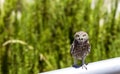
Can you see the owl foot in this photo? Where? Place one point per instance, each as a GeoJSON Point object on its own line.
{"type": "Point", "coordinates": [75, 66]}
{"type": "Point", "coordinates": [84, 66]}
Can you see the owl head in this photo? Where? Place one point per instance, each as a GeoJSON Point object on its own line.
{"type": "Point", "coordinates": [81, 36]}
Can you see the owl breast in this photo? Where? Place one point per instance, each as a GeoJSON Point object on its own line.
{"type": "Point", "coordinates": [80, 51]}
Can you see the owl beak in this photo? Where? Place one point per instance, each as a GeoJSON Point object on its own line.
{"type": "Point", "coordinates": [81, 39]}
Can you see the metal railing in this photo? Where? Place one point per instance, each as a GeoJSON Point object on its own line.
{"type": "Point", "coordinates": [109, 66]}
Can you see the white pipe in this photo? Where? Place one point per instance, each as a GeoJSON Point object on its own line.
{"type": "Point", "coordinates": [110, 66]}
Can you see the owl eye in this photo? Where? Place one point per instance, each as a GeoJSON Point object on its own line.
{"type": "Point", "coordinates": [77, 35]}
{"type": "Point", "coordinates": [84, 35]}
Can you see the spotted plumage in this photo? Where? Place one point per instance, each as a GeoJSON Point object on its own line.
{"type": "Point", "coordinates": [80, 47]}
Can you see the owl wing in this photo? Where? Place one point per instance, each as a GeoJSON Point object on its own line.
{"type": "Point", "coordinates": [72, 48]}
{"type": "Point", "coordinates": [89, 47]}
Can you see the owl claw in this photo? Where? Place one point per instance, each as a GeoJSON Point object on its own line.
{"type": "Point", "coordinates": [76, 66]}
{"type": "Point", "coordinates": [84, 66]}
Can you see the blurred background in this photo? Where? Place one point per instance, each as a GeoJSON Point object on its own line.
{"type": "Point", "coordinates": [35, 35]}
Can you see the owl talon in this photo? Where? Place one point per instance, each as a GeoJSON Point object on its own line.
{"type": "Point", "coordinates": [75, 66]}
{"type": "Point", "coordinates": [84, 66]}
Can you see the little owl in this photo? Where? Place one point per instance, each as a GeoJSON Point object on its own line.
{"type": "Point", "coordinates": [80, 48]}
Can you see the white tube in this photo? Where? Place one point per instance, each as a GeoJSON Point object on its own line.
{"type": "Point", "coordinates": [110, 66]}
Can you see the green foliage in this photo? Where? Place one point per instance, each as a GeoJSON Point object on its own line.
{"type": "Point", "coordinates": [35, 35]}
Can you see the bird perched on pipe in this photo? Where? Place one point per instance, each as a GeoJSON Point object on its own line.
{"type": "Point", "coordinates": [80, 48]}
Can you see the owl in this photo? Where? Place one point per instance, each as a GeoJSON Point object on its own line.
{"type": "Point", "coordinates": [80, 48]}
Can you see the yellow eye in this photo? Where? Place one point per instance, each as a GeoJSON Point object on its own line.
{"type": "Point", "coordinates": [84, 35]}
{"type": "Point", "coordinates": [77, 36]}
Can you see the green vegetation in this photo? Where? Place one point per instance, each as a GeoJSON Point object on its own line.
{"type": "Point", "coordinates": [35, 35]}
